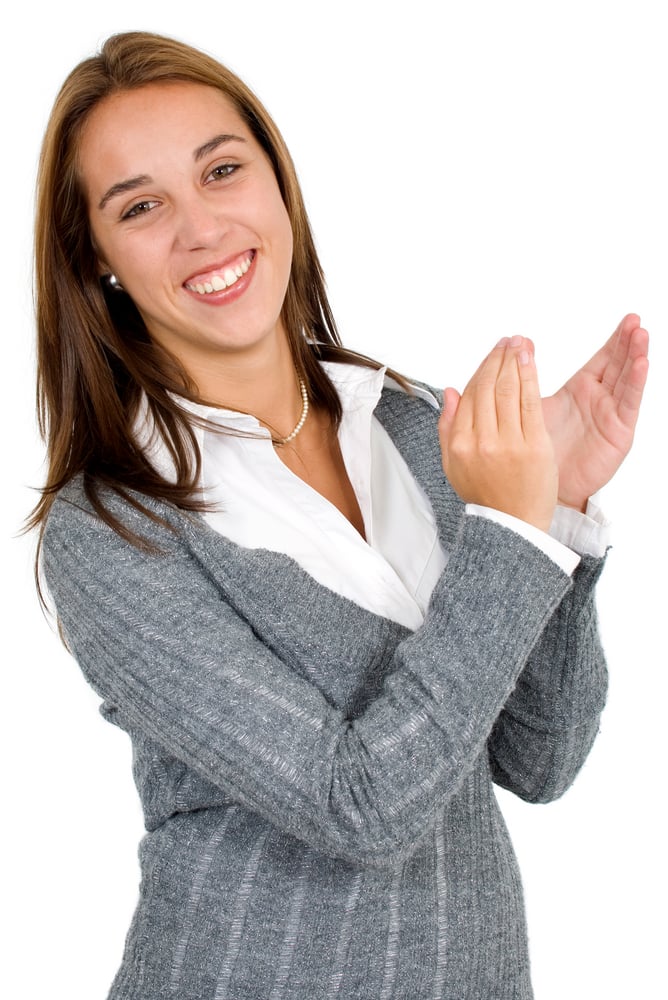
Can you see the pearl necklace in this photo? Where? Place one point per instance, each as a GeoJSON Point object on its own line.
{"type": "Point", "coordinates": [278, 442]}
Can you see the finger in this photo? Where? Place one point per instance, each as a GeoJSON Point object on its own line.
{"type": "Point", "coordinates": [607, 363]}
{"type": "Point", "coordinates": [631, 393]}
{"type": "Point", "coordinates": [495, 353]}
{"type": "Point", "coordinates": [483, 391]}
{"type": "Point", "coordinates": [531, 407]}
{"type": "Point", "coordinates": [636, 347]}
{"type": "Point", "coordinates": [464, 409]}
{"type": "Point", "coordinates": [451, 401]}
{"type": "Point", "coordinates": [618, 356]}
{"type": "Point", "coordinates": [466, 402]}
{"type": "Point", "coordinates": [507, 390]}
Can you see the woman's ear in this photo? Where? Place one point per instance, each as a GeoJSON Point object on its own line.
{"type": "Point", "coordinates": [101, 265]}
{"type": "Point", "coordinates": [106, 274]}
{"type": "Point", "coordinates": [113, 282]}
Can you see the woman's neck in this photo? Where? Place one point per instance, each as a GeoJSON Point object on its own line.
{"type": "Point", "coordinates": [263, 383]}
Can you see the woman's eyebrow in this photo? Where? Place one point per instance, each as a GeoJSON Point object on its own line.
{"type": "Point", "coordinates": [122, 187]}
{"type": "Point", "coordinates": [212, 144]}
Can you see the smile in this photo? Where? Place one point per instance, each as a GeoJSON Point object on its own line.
{"type": "Point", "coordinates": [218, 281]}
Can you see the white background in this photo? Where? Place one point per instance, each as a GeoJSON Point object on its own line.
{"type": "Point", "coordinates": [471, 170]}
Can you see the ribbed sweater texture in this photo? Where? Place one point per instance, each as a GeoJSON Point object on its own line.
{"type": "Point", "coordinates": [317, 780]}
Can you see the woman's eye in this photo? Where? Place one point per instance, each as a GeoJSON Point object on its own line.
{"type": "Point", "coordinates": [141, 208]}
{"type": "Point", "coordinates": [223, 170]}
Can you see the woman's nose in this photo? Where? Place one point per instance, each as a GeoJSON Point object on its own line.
{"type": "Point", "coordinates": [198, 224]}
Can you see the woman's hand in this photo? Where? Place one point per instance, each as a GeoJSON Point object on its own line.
{"type": "Point", "coordinates": [592, 418]}
{"type": "Point", "coordinates": [495, 447]}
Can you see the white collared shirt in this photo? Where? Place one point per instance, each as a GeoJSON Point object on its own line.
{"type": "Point", "coordinates": [259, 503]}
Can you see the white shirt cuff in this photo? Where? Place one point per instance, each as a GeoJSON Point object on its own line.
{"type": "Point", "coordinates": [559, 553]}
{"type": "Point", "coordinates": [588, 533]}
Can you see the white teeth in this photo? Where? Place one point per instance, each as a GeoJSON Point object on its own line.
{"type": "Point", "coordinates": [218, 282]}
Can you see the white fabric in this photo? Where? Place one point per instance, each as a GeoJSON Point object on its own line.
{"type": "Point", "coordinates": [260, 503]}
{"type": "Point", "coordinates": [588, 533]}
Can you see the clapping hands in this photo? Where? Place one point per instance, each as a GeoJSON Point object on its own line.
{"type": "Point", "coordinates": [504, 447]}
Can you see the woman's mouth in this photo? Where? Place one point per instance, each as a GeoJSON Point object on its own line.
{"type": "Point", "coordinates": [218, 279]}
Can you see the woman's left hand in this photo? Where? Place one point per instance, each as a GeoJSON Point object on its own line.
{"type": "Point", "coordinates": [591, 419]}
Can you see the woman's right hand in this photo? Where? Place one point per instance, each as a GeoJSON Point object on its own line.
{"type": "Point", "coordinates": [495, 448]}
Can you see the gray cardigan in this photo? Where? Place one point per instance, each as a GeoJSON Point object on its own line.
{"type": "Point", "coordinates": [317, 780]}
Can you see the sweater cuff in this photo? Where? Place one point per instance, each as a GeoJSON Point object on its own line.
{"type": "Point", "coordinates": [565, 558]}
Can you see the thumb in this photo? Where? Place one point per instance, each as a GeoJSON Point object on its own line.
{"type": "Point", "coordinates": [451, 400]}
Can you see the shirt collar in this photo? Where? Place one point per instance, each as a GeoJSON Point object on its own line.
{"type": "Point", "coordinates": [353, 380]}
{"type": "Point", "coordinates": [358, 387]}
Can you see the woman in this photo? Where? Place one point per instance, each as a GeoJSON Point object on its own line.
{"type": "Point", "coordinates": [322, 657]}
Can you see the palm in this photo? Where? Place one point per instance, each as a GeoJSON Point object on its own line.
{"type": "Point", "coordinates": [591, 419]}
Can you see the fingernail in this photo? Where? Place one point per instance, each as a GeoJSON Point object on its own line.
{"type": "Point", "coordinates": [516, 340]}
{"type": "Point", "coordinates": [503, 342]}
{"type": "Point", "coordinates": [524, 357]}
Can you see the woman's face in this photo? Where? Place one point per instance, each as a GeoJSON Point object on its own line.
{"type": "Point", "coordinates": [185, 210]}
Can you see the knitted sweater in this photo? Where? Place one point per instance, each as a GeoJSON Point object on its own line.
{"type": "Point", "coordinates": [317, 780]}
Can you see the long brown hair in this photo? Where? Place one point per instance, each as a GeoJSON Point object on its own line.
{"type": "Point", "coordinates": [96, 361]}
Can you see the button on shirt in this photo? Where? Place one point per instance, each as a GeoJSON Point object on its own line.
{"type": "Point", "coordinates": [259, 503]}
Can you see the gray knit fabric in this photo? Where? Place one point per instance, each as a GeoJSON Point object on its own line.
{"type": "Point", "coordinates": [317, 780]}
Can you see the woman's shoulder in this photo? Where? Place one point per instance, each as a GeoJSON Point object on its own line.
{"type": "Point", "coordinates": [85, 510]}
{"type": "Point", "coordinates": [86, 493]}
{"type": "Point", "coordinates": [409, 411]}
{"type": "Point", "coordinates": [413, 389]}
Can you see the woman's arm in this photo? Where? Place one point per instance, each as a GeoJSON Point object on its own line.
{"type": "Point", "coordinates": [549, 723]}
{"type": "Point", "coordinates": [547, 726]}
{"type": "Point", "coordinates": [158, 636]}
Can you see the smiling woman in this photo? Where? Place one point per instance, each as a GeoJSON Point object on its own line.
{"type": "Point", "coordinates": [186, 211]}
{"type": "Point", "coordinates": [328, 615]}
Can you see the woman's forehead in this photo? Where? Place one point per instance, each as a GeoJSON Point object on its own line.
{"type": "Point", "coordinates": [132, 130]}
{"type": "Point", "coordinates": [160, 106]}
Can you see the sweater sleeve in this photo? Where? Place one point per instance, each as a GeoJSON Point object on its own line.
{"type": "Point", "coordinates": [155, 635]}
{"type": "Point", "coordinates": [545, 731]}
